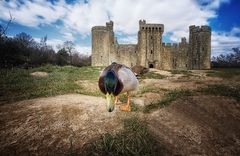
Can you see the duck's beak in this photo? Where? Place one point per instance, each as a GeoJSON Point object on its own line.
{"type": "Point", "coordinates": [110, 102]}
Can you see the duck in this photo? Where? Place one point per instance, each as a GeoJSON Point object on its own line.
{"type": "Point", "coordinates": [114, 80]}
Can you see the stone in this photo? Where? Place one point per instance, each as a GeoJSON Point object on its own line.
{"type": "Point", "coordinates": [150, 51]}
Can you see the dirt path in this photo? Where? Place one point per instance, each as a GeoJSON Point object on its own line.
{"type": "Point", "coordinates": [199, 125]}
{"type": "Point", "coordinates": [54, 125]}
{"type": "Point", "coordinates": [60, 125]}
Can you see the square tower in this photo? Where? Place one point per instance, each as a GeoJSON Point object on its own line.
{"type": "Point", "coordinates": [150, 44]}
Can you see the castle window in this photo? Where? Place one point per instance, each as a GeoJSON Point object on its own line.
{"type": "Point", "coordinates": [202, 48]}
{"type": "Point", "coordinates": [151, 51]}
{"type": "Point", "coordinates": [135, 51]}
{"type": "Point", "coordinates": [151, 37]}
{"type": "Point", "coordinates": [186, 65]}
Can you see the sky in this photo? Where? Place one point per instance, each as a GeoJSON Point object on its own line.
{"type": "Point", "coordinates": [71, 20]}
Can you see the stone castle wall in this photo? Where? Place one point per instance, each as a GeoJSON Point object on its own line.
{"type": "Point", "coordinates": [150, 51]}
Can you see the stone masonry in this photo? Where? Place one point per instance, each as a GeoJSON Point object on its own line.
{"type": "Point", "coordinates": [150, 51]}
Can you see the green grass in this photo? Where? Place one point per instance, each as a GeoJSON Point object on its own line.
{"type": "Point", "coordinates": [18, 84]}
{"type": "Point", "coordinates": [224, 72]}
{"type": "Point", "coordinates": [184, 72]}
{"type": "Point", "coordinates": [134, 139]}
{"type": "Point", "coordinates": [223, 90]}
{"type": "Point", "coordinates": [169, 97]}
{"type": "Point", "coordinates": [152, 75]}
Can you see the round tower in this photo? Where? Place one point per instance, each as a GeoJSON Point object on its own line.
{"type": "Point", "coordinates": [205, 47]}
{"type": "Point", "coordinates": [100, 46]}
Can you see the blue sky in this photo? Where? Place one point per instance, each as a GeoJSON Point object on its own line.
{"type": "Point", "coordinates": [63, 20]}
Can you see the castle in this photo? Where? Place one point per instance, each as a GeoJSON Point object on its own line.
{"type": "Point", "coordinates": [150, 51]}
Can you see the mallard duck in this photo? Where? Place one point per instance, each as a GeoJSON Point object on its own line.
{"type": "Point", "coordinates": [114, 80]}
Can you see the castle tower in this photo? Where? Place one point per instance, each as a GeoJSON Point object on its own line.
{"type": "Point", "coordinates": [102, 41]}
{"type": "Point", "coordinates": [199, 52]}
{"type": "Point", "coordinates": [149, 44]}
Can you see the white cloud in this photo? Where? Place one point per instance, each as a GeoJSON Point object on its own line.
{"type": "Point", "coordinates": [175, 15]}
{"type": "Point", "coordinates": [68, 36]}
{"type": "Point", "coordinates": [79, 17]}
{"type": "Point", "coordinates": [223, 42]}
{"type": "Point", "coordinates": [213, 4]}
{"type": "Point", "coordinates": [33, 13]}
{"type": "Point", "coordinates": [84, 50]}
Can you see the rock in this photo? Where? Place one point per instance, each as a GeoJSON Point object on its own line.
{"type": "Point", "coordinates": [139, 70]}
{"type": "Point", "coordinates": [39, 74]}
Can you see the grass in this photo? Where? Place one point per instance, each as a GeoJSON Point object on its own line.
{"type": "Point", "coordinates": [222, 90]}
{"type": "Point", "coordinates": [18, 84]}
{"type": "Point", "coordinates": [134, 139]}
{"type": "Point", "coordinates": [152, 89]}
{"type": "Point", "coordinates": [169, 97]}
{"type": "Point", "coordinates": [184, 72]}
{"type": "Point", "coordinates": [224, 72]}
{"type": "Point", "coordinates": [152, 75]}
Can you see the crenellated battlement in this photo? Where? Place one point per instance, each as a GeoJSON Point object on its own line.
{"type": "Point", "coordinates": [99, 28]}
{"type": "Point", "coordinates": [204, 28]}
{"type": "Point", "coordinates": [143, 26]}
{"type": "Point", "coordinates": [108, 27]}
{"type": "Point", "coordinates": [150, 51]}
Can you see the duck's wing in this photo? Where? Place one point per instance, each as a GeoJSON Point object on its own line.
{"type": "Point", "coordinates": [128, 79]}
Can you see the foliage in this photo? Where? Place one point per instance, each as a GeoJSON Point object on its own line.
{"type": "Point", "coordinates": [23, 51]}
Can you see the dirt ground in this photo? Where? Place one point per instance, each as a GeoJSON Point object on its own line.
{"type": "Point", "coordinates": [195, 125]}
{"type": "Point", "coordinates": [199, 125]}
{"type": "Point", "coordinates": [54, 125]}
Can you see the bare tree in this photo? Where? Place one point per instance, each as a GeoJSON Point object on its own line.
{"type": "Point", "coordinates": [3, 30]}
{"type": "Point", "coordinates": [69, 47]}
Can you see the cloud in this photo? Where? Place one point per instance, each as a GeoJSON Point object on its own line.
{"type": "Point", "coordinates": [68, 36]}
{"type": "Point", "coordinates": [223, 42]}
{"type": "Point", "coordinates": [84, 50]}
{"type": "Point", "coordinates": [212, 4]}
{"type": "Point", "coordinates": [33, 13]}
{"type": "Point", "coordinates": [77, 18]}
{"type": "Point", "coordinates": [175, 15]}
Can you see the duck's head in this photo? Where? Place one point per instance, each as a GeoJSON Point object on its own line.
{"type": "Point", "coordinates": [110, 102]}
{"type": "Point", "coordinates": [110, 85]}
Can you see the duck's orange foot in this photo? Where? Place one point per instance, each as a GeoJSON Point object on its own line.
{"type": "Point", "coordinates": [125, 107]}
